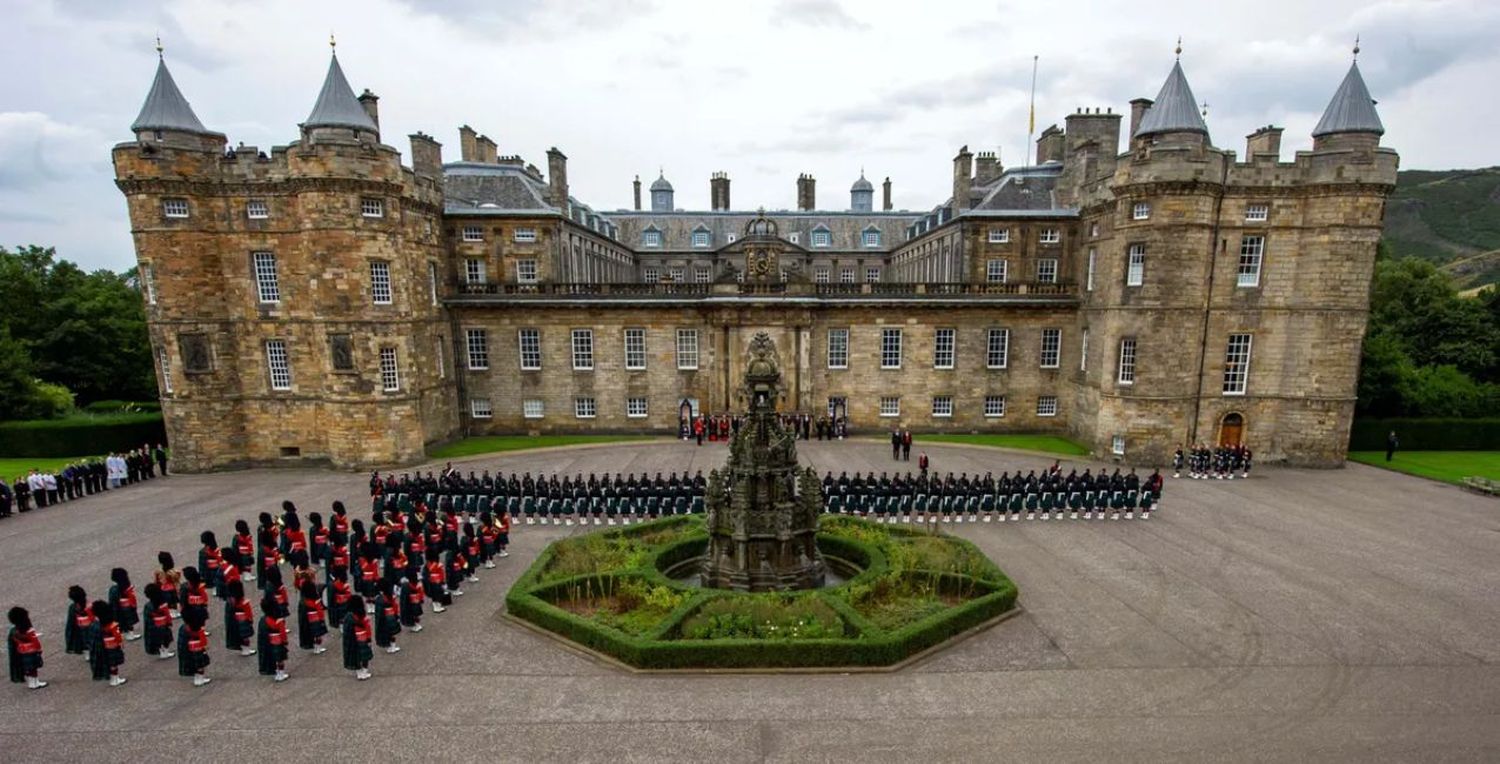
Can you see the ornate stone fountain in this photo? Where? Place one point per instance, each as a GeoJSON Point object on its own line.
{"type": "Point", "coordinates": [761, 508]}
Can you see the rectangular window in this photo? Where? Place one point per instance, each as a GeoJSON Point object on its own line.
{"type": "Point", "coordinates": [531, 349]}
{"type": "Point", "coordinates": [372, 208]}
{"type": "Point", "coordinates": [997, 348]}
{"type": "Point", "coordinates": [479, 408]}
{"type": "Point", "coordinates": [838, 348]}
{"type": "Point", "coordinates": [942, 405]}
{"type": "Point", "coordinates": [390, 374]}
{"type": "Point", "coordinates": [166, 370]}
{"type": "Point", "coordinates": [1127, 361]}
{"type": "Point", "coordinates": [1089, 280]}
{"type": "Point", "coordinates": [583, 349]}
{"type": "Point", "coordinates": [837, 404]}
{"type": "Point", "coordinates": [477, 341]}
{"type": "Point", "coordinates": [473, 233]}
{"type": "Point", "coordinates": [635, 349]}
{"type": "Point", "coordinates": [475, 271]}
{"type": "Point", "coordinates": [148, 282]}
{"type": "Point", "coordinates": [890, 348]}
{"type": "Point", "coordinates": [1135, 267]}
{"type": "Point", "coordinates": [942, 349]}
{"type": "Point", "coordinates": [380, 282]}
{"type": "Point", "coordinates": [846, 275]}
{"type": "Point", "coordinates": [872, 273]}
{"type": "Point", "coordinates": [174, 208]}
{"type": "Point", "coordinates": [999, 235]}
{"type": "Point", "coordinates": [821, 238]}
{"type": "Point", "coordinates": [1257, 213]}
{"type": "Point", "coordinates": [278, 365]}
{"type": "Point", "coordinates": [1252, 248]}
{"type": "Point", "coordinates": [531, 408]}
{"type": "Point", "coordinates": [267, 288]}
{"type": "Point", "coordinates": [701, 276]}
{"type": "Point", "coordinates": [687, 349]}
{"type": "Point", "coordinates": [1117, 445]}
{"type": "Point", "coordinates": [700, 238]}
{"type": "Point", "coordinates": [584, 408]}
{"type": "Point", "coordinates": [651, 239]}
{"type": "Point", "coordinates": [1141, 211]}
{"type": "Point", "coordinates": [524, 235]}
{"type": "Point", "coordinates": [872, 238]}
{"type": "Point", "coordinates": [635, 408]}
{"type": "Point", "coordinates": [676, 275]}
{"type": "Point", "coordinates": [651, 275]}
{"type": "Point", "coordinates": [1046, 405]}
{"type": "Point", "coordinates": [994, 405]}
{"type": "Point", "coordinates": [1046, 270]}
{"type": "Point", "coordinates": [995, 271]}
{"type": "Point", "coordinates": [256, 209]}
{"type": "Point", "coordinates": [1237, 364]}
{"type": "Point", "coordinates": [437, 355]}
{"type": "Point", "coordinates": [526, 271]}
{"type": "Point", "coordinates": [432, 281]}
{"type": "Point", "coordinates": [820, 275]}
{"type": "Point", "coordinates": [1083, 351]}
{"type": "Point", "coordinates": [890, 405]}
{"type": "Point", "coordinates": [1051, 348]}
{"type": "Point", "coordinates": [1051, 236]}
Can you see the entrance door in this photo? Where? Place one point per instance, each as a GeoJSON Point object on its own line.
{"type": "Point", "coordinates": [1231, 430]}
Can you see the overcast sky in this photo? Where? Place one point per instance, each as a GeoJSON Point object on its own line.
{"type": "Point", "coordinates": [762, 90]}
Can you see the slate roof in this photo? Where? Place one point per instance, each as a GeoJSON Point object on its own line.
{"type": "Point", "coordinates": [336, 105]}
{"type": "Point", "coordinates": [166, 108]}
{"type": "Point", "coordinates": [1352, 110]}
{"type": "Point", "coordinates": [862, 184]}
{"type": "Point", "coordinates": [661, 183]}
{"type": "Point", "coordinates": [471, 186]}
{"type": "Point", "coordinates": [1175, 109]}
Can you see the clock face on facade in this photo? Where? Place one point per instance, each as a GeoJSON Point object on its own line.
{"type": "Point", "coordinates": [762, 263]}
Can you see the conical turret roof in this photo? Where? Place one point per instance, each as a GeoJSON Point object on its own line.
{"type": "Point", "coordinates": [1352, 110]}
{"type": "Point", "coordinates": [165, 107]}
{"type": "Point", "coordinates": [1175, 109]}
{"type": "Point", "coordinates": [337, 106]}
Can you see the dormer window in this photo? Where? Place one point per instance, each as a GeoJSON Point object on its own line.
{"type": "Point", "coordinates": [872, 238]}
{"type": "Point", "coordinates": [372, 208]}
{"type": "Point", "coordinates": [651, 238]}
{"type": "Point", "coordinates": [700, 238]}
{"type": "Point", "coordinates": [1140, 211]}
{"type": "Point", "coordinates": [174, 208]}
{"type": "Point", "coordinates": [256, 209]}
{"type": "Point", "coordinates": [822, 238]}
{"type": "Point", "coordinates": [473, 233]}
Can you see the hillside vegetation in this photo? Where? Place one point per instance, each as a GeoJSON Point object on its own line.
{"type": "Point", "coordinates": [1450, 218]}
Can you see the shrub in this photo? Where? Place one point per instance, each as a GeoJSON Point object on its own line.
{"type": "Point", "coordinates": [1427, 434]}
{"type": "Point", "coordinates": [764, 616]}
{"type": "Point", "coordinates": [80, 435]}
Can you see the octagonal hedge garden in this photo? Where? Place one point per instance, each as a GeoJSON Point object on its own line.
{"type": "Point", "coordinates": [607, 591]}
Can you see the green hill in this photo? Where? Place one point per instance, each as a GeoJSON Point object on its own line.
{"type": "Point", "coordinates": [1451, 218]}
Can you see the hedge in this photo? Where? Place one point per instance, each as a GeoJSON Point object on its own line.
{"type": "Point", "coordinates": [868, 645]}
{"type": "Point", "coordinates": [80, 435]}
{"type": "Point", "coordinates": [111, 406]}
{"type": "Point", "coordinates": [1427, 434]}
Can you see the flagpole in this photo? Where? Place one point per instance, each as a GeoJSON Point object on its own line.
{"type": "Point", "coordinates": [1031, 118]}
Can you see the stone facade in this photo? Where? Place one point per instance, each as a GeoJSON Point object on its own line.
{"type": "Point", "coordinates": [1171, 248]}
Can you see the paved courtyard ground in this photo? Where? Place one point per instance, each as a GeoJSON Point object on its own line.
{"type": "Point", "coordinates": [1300, 615]}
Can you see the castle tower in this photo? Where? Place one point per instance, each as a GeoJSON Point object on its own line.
{"type": "Point", "coordinates": [295, 311]}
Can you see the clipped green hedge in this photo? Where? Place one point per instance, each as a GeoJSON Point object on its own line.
{"type": "Point", "coordinates": [1427, 434]}
{"type": "Point", "coordinates": [81, 435]}
{"type": "Point", "coordinates": [111, 406]}
{"type": "Point", "coordinates": [866, 646]}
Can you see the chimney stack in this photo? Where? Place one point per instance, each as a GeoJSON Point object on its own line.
{"type": "Point", "coordinates": [887, 187]}
{"type": "Point", "coordinates": [637, 185]}
{"type": "Point", "coordinates": [486, 149]}
{"type": "Point", "coordinates": [1049, 145]}
{"type": "Point", "coordinates": [1138, 109]}
{"type": "Point", "coordinates": [986, 167]}
{"type": "Point", "coordinates": [426, 156]}
{"type": "Point", "coordinates": [718, 191]}
{"type": "Point", "coordinates": [557, 179]}
{"type": "Point", "coordinates": [963, 179]}
{"type": "Point", "coordinates": [806, 192]}
{"type": "Point", "coordinates": [1265, 142]}
{"type": "Point", "coordinates": [371, 102]}
{"type": "Point", "coordinates": [468, 148]}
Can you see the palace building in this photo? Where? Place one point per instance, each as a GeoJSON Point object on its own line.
{"type": "Point", "coordinates": [322, 302]}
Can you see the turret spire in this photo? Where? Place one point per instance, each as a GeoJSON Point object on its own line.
{"type": "Point", "coordinates": [1175, 109]}
{"type": "Point", "coordinates": [336, 105]}
{"type": "Point", "coordinates": [1352, 110]}
{"type": "Point", "coordinates": [165, 107]}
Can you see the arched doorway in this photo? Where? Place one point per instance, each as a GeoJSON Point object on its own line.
{"type": "Point", "coordinates": [1232, 429]}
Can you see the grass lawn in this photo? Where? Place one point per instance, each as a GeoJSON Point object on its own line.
{"type": "Point", "coordinates": [10, 468]}
{"type": "Point", "coordinates": [489, 444]}
{"type": "Point", "coordinates": [1447, 466]}
{"type": "Point", "coordinates": [1052, 444]}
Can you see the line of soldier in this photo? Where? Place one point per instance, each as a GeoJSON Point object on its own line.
{"type": "Point", "coordinates": [376, 582]}
{"type": "Point", "coordinates": [919, 498]}
{"type": "Point", "coordinates": [547, 499]}
{"type": "Point", "coordinates": [1219, 463]}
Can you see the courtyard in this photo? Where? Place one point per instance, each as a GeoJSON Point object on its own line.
{"type": "Point", "coordinates": [1347, 614]}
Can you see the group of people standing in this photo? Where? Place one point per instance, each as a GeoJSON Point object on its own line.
{"type": "Point", "coordinates": [41, 488]}
{"type": "Point", "coordinates": [547, 499]}
{"type": "Point", "coordinates": [720, 427]}
{"type": "Point", "coordinates": [1220, 463]}
{"type": "Point", "coordinates": [375, 583]}
{"type": "Point", "coordinates": [905, 498]}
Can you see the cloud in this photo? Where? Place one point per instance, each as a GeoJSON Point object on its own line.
{"type": "Point", "coordinates": [814, 13]}
{"type": "Point", "coordinates": [36, 150]}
